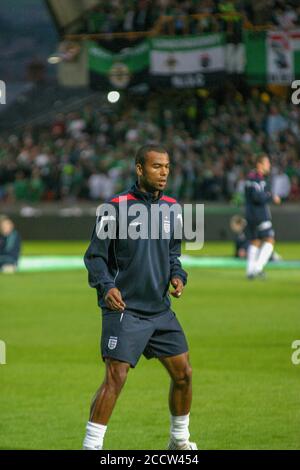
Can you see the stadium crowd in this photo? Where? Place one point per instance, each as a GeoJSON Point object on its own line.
{"type": "Point", "coordinates": [88, 155]}
{"type": "Point", "coordinates": [141, 15]}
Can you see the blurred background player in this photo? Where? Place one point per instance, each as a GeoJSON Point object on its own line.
{"type": "Point", "coordinates": [238, 225]}
{"type": "Point", "coordinates": [241, 243]}
{"type": "Point", "coordinates": [259, 223]}
{"type": "Point", "coordinates": [10, 245]}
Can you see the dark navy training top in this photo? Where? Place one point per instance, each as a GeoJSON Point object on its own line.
{"type": "Point", "coordinates": [10, 247]}
{"type": "Point", "coordinates": [140, 268]}
{"type": "Point", "coordinates": [257, 196]}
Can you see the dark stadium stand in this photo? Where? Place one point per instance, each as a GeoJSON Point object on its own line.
{"type": "Point", "coordinates": [87, 152]}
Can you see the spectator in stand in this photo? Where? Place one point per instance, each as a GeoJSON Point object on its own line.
{"type": "Point", "coordinates": [285, 16]}
{"type": "Point", "coordinates": [281, 184]}
{"type": "Point", "coordinates": [101, 187]}
{"type": "Point", "coordinates": [295, 189]}
{"type": "Point", "coordinates": [275, 122]}
{"type": "Point", "coordinates": [10, 245]}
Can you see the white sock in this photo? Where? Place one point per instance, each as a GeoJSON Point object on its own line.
{"type": "Point", "coordinates": [180, 428]}
{"type": "Point", "coordinates": [251, 259]}
{"type": "Point", "coordinates": [264, 256]}
{"type": "Point", "coordinates": [94, 436]}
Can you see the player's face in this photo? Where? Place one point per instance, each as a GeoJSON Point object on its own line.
{"type": "Point", "coordinates": [6, 227]}
{"type": "Point", "coordinates": [266, 164]}
{"type": "Point", "coordinates": [154, 173]}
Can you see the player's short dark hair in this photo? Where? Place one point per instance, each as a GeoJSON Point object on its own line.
{"type": "Point", "coordinates": [143, 151]}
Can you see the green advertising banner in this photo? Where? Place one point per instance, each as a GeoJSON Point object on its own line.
{"type": "Point", "coordinates": [190, 61]}
{"type": "Point", "coordinates": [120, 70]}
{"type": "Point", "coordinates": [179, 62]}
{"type": "Point", "coordinates": [197, 61]}
{"type": "Point", "coordinates": [272, 56]}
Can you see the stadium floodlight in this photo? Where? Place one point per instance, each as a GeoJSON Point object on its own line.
{"type": "Point", "coordinates": [113, 96]}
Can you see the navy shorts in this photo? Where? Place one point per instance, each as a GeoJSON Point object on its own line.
{"type": "Point", "coordinates": [127, 337]}
{"type": "Point", "coordinates": [259, 231]}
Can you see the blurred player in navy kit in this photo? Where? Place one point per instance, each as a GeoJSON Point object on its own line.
{"type": "Point", "coordinates": [259, 222]}
{"type": "Point", "coordinates": [238, 225]}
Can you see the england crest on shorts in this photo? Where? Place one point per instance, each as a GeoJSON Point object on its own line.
{"type": "Point", "coordinates": [112, 342]}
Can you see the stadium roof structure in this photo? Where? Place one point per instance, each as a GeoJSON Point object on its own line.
{"type": "Point", "coordinates": [67, 15]}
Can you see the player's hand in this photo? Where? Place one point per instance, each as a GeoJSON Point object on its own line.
{"type": "Point", "coordinates": [276, 199]}
{"type": "Point", "coordinates": [114, 301]}
{"type": "Point", "coordinates": [178, 286]}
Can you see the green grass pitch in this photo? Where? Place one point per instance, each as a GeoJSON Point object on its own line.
{"type": "Point", "coordinates": [245, 387]}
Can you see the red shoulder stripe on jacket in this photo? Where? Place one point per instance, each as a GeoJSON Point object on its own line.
{"type": "Point", "coordinates": [124, 197]}
{"type": "Point", "coordinates": [168, 199]}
